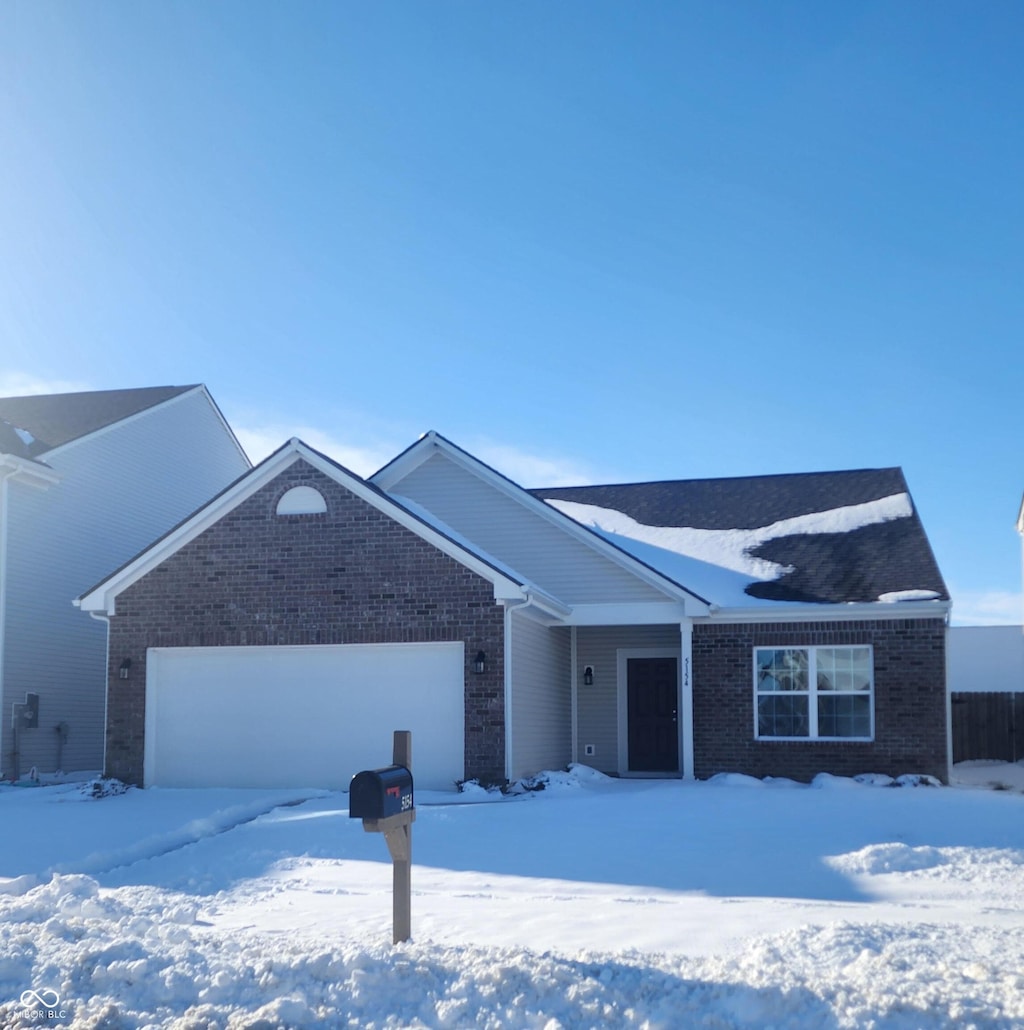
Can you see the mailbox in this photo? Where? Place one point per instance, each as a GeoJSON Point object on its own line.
{"type": "Point", "coordinates": [380, 793]}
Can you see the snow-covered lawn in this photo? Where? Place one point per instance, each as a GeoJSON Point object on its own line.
{"type": "Point", "coordinates": [595, 902]}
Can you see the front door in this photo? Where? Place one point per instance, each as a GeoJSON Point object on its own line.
{"type": "Point", "coordinates": [652, 712]}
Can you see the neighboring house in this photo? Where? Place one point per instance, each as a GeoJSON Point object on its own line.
{"type": "Point", "coordinates": [985, 675]}
{"type": "Point", "coordinates": [1020, 529]}
{"type": "Point", "coordinates": [986, 659]}
{"type": "Point", "coordinates": [86, 480]}
{"type": "Point", "coordinates": [776, 625]}
{"type": "Point", "coordinates": [986, 687]}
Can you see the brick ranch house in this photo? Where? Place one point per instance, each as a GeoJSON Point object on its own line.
{"type": "Point", "coordinates": [772, 625]}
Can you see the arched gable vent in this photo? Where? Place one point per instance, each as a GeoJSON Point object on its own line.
{"type": "Point", "coordinates": [301, 500]}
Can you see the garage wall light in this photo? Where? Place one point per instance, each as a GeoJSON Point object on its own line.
{"type": "Point", "coordinates": [480, 663]}
{"type": "Point", "coordinates": [124, 669]}
{"type": "Point", "coordinates": [588, 676]}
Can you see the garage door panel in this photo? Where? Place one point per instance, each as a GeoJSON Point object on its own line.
{"type": "Point", "coordinates": [301, 716]}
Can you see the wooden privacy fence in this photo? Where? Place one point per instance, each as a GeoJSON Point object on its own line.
{"type": "Point", "coordinates": [988, 725]}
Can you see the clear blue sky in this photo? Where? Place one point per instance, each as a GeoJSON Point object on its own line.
{"type": "Point", "coordinates": [588, 240]}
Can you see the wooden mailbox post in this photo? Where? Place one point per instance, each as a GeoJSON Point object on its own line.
{"type": "Point", "coordinates": [384, 800]}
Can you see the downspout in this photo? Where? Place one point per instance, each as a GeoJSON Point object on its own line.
{"type": "Point", "coordinates": [509, 609]}
{"type": "Point", "coordinates": [100, 617]}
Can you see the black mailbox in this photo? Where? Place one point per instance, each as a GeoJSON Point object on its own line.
{"type": "Point", "coordinates": [380, 793]}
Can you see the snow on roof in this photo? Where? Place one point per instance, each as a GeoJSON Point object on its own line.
{"type": "Point", "coordinates": [717, 563]}
{"type": "Point", "coordinates": [895, 596]}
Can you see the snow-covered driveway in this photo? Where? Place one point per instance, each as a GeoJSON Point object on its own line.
{"type": "Point", "coordinates": [592, 903]}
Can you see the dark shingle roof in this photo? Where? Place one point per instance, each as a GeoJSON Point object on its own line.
{"type": "Point", "coordinates": [833, 568]}
{"type": "Point", "coordinates": [58, 418]}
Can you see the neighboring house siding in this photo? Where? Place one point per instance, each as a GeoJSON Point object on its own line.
{"type": "Point", "coordinates": [986, 658]}
{"type": "Point", "coordinates": [541, 697]}
{"type": "Point", "coordinates": [598, 646]}
{"type": "Point", "coordinates": [120, 489]}
{"type": "Point", "coordinates": [349, 576]}
{"type": "Point", "coordinates": [529, 543]}
{"type": "Point", "coordinates": [910, 700]}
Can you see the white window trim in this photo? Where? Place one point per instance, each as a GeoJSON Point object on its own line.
{"type": "Point", "coordinates": [812, 692]}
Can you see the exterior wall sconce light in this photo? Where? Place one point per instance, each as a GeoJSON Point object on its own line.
{"type": "Point", "coordinates": [480, 663]}
{"type": "Point", "coordinates": [588, 675]}
{"type": "Point", "coordinates": [124, 669]}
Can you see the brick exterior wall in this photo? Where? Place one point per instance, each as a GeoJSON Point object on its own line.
{"type": "Point", "coordinates": [351, 575]}
{"type": "Point", "coordinates": [910, 700]}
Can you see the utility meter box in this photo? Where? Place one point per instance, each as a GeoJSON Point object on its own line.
{"type": "Point", "coordinates": [26, 714]}
{"type": "Point", "coordinates": [380, 793]}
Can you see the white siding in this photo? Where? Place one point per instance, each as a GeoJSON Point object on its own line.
{"type": "Point", "coordinates": [121, 488]}
{"type": "Point", "coordinates": [981, 658]}
{"type": "Point", "coordinates": [529, 543]}
{"type": "Point", "coordinates": [541, 697]}
{"type": "Point", "coordinates": [598, 646]}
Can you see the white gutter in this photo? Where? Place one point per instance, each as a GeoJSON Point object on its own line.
{"type": "Point", "coordinates": [785, 611]}
{"type": "Point", "coordinates": [32, 473]}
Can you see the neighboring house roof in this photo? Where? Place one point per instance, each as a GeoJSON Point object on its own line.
{"type": "Point", "coordinates": [31, 426]}
{"type": "Point", "coordinates": [818, 537]}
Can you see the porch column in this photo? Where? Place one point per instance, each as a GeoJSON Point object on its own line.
{"type": "Point", "coordinates": [686, 676]}
{"type": "Point", "coordinates": [574, 695]}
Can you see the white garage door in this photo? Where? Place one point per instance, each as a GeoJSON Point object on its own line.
{"type": "Point", "coordinates": [301, 716]}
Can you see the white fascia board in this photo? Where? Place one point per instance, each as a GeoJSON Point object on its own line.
{"type": "Point", "coordinates": [784, 611]}
{"type": "Point", "coordinates": [29, 472]}
{"type": "Point", "coordinates": [102, 597]}
{"type": "Point", "coordinates": [645, 613]}
{"type": "Point", "coordinates": [432, 442]}
{"type": "Point", "coordinates": [223, 421]}
{"type": "Point", "coordinates": [410, 459]}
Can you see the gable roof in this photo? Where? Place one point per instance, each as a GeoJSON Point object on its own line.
{"type": "Point", "coordinates": [32, 425]}
{"type": "Point", "coordinates": [817, 538]}
{"type": "Point", "coordinates": [507, 583]}
{"type": "Point", "coordinates": [388, 476]}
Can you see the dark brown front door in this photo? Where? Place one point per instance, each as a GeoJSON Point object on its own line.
{"type": "Point", "coordinates": [652, 714]}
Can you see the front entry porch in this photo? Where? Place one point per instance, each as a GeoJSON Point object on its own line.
{"type": "Point", "coordinates": [632, 700]}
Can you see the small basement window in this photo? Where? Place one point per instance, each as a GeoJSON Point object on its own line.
{"type": "Point", "coordinates": [823, 693]}
{"type": "Point", "coordinates": [301, 500]}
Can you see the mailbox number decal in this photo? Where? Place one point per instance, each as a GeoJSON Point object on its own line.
{"type": "Point", "coordinates": [394, 792]}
